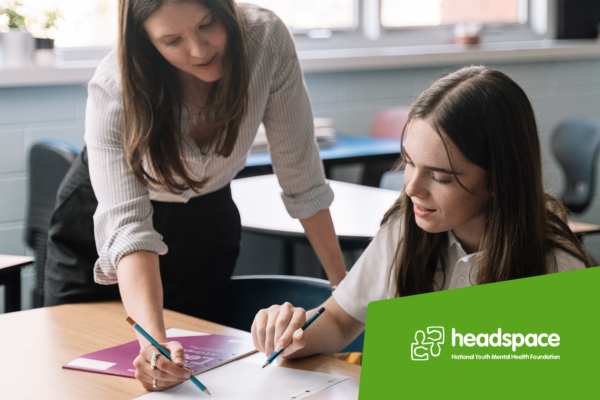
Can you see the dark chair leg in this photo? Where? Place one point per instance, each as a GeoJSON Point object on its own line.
{"type": "Point", "coordinates": [373, 171]}
{"type": "Point", "coordinates": [288, 256]}
{"type": "Point", "coordinates": [12, 290]}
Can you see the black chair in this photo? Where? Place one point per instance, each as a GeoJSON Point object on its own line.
{"type": "Point", "coordinates": [392, 180]}
{"type": "Point", "coordinates": [576, 144]}
{"type": "Point", "coordinates": [253, 292]}
{"type": "Point", "coordinates": [49, 161]}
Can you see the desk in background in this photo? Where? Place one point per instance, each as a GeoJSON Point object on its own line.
{"type": "Point", "coordinates": [10, 277]}
{"type": "Point", "coordinates": [38, 342]}
{"type": "Point", "coordinates": [583, 228]}
{"type": "Point", "coordinates": [356, 211]}
{"type": "Point", "coordinates": [346, 150]}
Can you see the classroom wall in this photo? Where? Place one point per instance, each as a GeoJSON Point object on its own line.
{"type": "Point", "coordinates": [557, 90]}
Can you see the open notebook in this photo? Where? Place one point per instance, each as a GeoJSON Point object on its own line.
{"type": "Point", "coordinates": [202, 352]}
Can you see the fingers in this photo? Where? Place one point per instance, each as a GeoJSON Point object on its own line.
{"type": "Point", "coordinates": [176, 350]}
{"type": "Point", "coordinates": [298, 342]}
{"type": "Point", "coordinates": [167, 373]}
{"type": "Point", "coordinates": [151, 380]}
{"type": "Point", "coordinates": [296, 322]}
{"type": "Point", "coordinates": [282, 321]}
{"type": "Point", "coordinates": [259, 327]}
{"type": "Point", "coordinates": [270, 333]}
{"type": "Point", "coordinates": [273, 328]}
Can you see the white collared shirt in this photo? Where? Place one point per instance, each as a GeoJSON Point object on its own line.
{"type": "Point", "coordinates": [369, 279]}
{"type": "Point", "coordinates": [277, 97]}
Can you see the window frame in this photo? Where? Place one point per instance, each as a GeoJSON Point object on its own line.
{"type": "Point", "coordinates": [494, 25]}
{"type": "Point", "coordinates": [318, 33]}
{"type": "Point", "coordinates": [369, 33]}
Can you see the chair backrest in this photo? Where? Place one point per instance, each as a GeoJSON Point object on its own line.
{"type": "Point", "coordinates": [389, 123]}
{"type": "Point", "coordinates": [576, 144]}
{"type": "Point", "coordinates": [392, 180]}
{"type": "Point", "coordinates": [49, 161]}
{"type": "Point", "coordinates": [253, 292]}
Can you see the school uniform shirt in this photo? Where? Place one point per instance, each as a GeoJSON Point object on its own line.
{"type": "Point", "coordinates": [369, 279]}
{"type": "Point", "coordinates": [277, 98]}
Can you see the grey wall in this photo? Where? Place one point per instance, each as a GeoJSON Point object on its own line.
{"type": "Point", "coordinates": [557, 90]}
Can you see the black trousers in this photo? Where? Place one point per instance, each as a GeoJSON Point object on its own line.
{"type": "Point", "coordinates": [203, 237]}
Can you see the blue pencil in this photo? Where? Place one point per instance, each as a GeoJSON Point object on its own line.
{"type": "Point", "coordinates": [308, 322]}
{"type": "Point", "coordinates": [165, 352]}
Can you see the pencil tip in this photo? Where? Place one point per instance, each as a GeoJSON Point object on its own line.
{"type": "Point", "coordinates": [265, 364]}
{"type": "Point", "coordinates": [130, 320]}
{"type": "Point", "coordinates": [208, 392]}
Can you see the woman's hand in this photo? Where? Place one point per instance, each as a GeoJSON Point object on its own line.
{"type": "Point", "coordinates": [277, 327]}
{"type": "Point", "coordinates": [156, 372]}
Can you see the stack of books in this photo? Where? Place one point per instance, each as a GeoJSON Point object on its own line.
{"type": "Point", "coordinates": [324, 133]}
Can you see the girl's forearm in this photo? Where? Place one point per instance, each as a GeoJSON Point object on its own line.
{"type": "Point", "coordinates": [330, 333]}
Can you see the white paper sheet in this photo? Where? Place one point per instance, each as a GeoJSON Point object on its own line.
{"type": "Point", "coordinates": [90, 363]}
{"type": "Point", "coordinates": [176, 332]}
{"type": "Point", "coordinates": [245, 379]}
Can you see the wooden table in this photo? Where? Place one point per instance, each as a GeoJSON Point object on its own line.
{"type": "Point", "coordinates": [36, 343]}
{"type": "Point", "coordinates": [10, 277]}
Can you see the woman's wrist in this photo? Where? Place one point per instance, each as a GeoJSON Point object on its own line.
{"type": "Point", "coordinates": [335, 280]}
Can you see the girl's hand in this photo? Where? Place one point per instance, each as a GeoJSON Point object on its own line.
{"type": "Point", "coordinates": [277, 327]}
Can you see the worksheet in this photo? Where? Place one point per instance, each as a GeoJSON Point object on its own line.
{"type": "Point", "coordinates": [245, 379]}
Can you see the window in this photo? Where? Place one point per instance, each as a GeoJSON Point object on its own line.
{"type": "Point", "coordinates": [82, 23]}
{"type": "Point", "coordinates": [308, 15]}
{"type": "Point", "coordinates": [349, 23]}
{"type": "Point", "coordinates": [402, 14]}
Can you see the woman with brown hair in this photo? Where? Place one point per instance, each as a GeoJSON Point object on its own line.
{"type": "Point", "coordinates": [473, 211]}
{"type": "Point", "coordinates": [170, 119]}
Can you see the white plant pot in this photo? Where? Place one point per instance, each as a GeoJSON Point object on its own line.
{"type": "Point", "coordinates": [17, 48]}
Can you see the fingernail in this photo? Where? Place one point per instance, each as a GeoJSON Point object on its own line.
{"type": "Point", "coordinates": [298, 333]}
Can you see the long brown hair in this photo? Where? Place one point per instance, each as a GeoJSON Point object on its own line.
{"type": "Point", "coordinates": [152, 96]}
{"type": "Point", "coordinates": [490, 119]}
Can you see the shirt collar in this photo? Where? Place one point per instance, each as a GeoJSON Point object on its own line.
{"type": "Point", "coordinates": [454, 244]}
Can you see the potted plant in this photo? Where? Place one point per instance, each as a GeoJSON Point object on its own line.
{"type": "Point", "coordinates": [44, 40]}
{"type": "Point", "coordinates": [17, 42]}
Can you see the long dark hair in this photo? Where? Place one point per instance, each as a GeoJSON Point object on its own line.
{"type": "Point", "coordinates": [152, 96]}
{"type": "Point", "coordinates": [490, 119]}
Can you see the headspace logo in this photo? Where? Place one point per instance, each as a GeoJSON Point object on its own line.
{"type": "Point", "coordinates": [428, 343]}
{"type": "Point", "coordinates": [502, 339]}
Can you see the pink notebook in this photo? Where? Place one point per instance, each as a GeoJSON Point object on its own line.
{"type": "Point", "coordinates": [202, 352]}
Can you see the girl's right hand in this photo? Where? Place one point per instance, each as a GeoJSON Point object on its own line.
{"type": "Point", "coordinates": [277, 327]}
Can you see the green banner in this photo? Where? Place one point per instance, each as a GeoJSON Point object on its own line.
{"type": "Point", "coordinates": [534, 338]}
